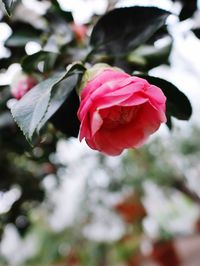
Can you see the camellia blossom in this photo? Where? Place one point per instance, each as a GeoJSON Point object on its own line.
{"type": "Point", "coordinates": [22, 85]}
{"type": "Point", "coordinates": [119, 111]}
{"type": "Point", "coordinates": [80, 31]}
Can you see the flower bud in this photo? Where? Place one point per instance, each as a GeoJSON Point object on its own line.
{"type": "Point", "coordinates": [21, 85]}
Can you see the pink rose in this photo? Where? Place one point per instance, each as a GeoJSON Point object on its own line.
{"type": "Point", "coordinates": [119, 111]}
{"type": "Point", "coordinates": [22, 85]}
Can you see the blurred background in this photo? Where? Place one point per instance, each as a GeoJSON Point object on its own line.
{"type": "Point", "coordinates": [62, 203]}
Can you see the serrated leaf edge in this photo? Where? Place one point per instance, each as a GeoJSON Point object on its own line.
{"type": "Point", "coordinates": [70, 70]}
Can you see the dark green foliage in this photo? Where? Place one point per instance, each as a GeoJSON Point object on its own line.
{"type": "Point", "coordinates": [70, 125]}
{"type": "Point", "coordinates": [22, 33]}
{"type": "Point", "coordinates": [124, 29]}
{"type": "Point", "coordinates": [188, 8]}
{"type": "Point", "coordinates": [178, 104]}
{"type": "Point", "coordinates": [8, 5]}
{"type": "Point", "coordinates": [30, 62]}
{"type": "Point", "coordinates": [196, 31]}
{"type": "Point", "coordinates": [33, 111]}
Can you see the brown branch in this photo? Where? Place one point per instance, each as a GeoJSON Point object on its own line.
{"type": "Point", "coordinates": [180, 186]}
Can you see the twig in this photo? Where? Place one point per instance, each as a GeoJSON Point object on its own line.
{"type": "Point", "coordinates": [180, 186]}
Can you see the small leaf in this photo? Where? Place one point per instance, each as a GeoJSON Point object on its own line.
{"type": "Point", "coordinates": [6, 120]}
{"type": "Point", "coordinates": [151, 56]}
{"type": "Point", "coordinates": [59, 21]}
{"type": "Point", "coordinates": [124, 29]}
{"type": "Point", "coordinates": [30, 62]}
{"type": "Point", "coordinates": [21, 38]}
{"type": "Point", "coordinates": [196, 31]}
{"type": "Point", "coordinates": [66, 15]}
{"type": "Point", "coordinates": [189, 7]}
{"type": "Point", "coordinates": [22, 33]}
{"type": "Point", "coordinates": [8, 5]}
{"type": "Point", "coordinates": [40, 103]}
{"type": "Point", "coordinates": [178, 104]}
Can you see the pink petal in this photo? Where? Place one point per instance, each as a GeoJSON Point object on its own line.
{"type": "Point", "coordinates": [156, 97]}
{"type": "Point", "coordinates": [104, 143]}
{"type": "Point", "coordinates": [129, 135]}
{"type": "Point", "coordinates": [105, 76]}
{"type": "Point", "coordinates": [135, 99]}
{"type": "Point", "coordinates": [96, 122]}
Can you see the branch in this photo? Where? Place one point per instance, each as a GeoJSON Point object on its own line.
{"type": "Point", "coordinates": [180, 186]}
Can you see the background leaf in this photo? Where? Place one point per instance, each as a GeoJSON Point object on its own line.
{"type": "Point", "coordinates": [66, 15]}
{"type": "Point", "coordinates": [59, 94]}
{"type": "Point", "coordinates": [40, 103]}
{"type": "Point", "coordinates": [123, 29]}
{"type": "Point", "coordinates": [30, 62]}
{"type": "Point", "coordinates": [70, 124]}
{"type": "Point", "coordinates": [149, 56]}
{"type": "Point", "coordinates": [8, 5]}
{"type": "Point", "coordinates": [23, 33]}
{"type": "Point", "coordinates": [178, 104]}
{"type": "Point", "coordinates": [196, 31]}
{"type": "Point", "coordinates": [188, 8]}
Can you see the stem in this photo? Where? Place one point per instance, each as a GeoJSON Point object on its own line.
{"type": "Point", "coordinates": [180, 186]}
{"type": "Point", "coordinates": [102, 255]}
{"type": "Point", "coordinates": [90, 53]}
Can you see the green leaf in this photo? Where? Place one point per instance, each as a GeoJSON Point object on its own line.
{"type": "Point", "coordinates": [22, 33]}
{"type": "Point", "coordinates": [150, 56]}
{"type": "Point", "coordinates": [58, 96]}
{"type": "Point", "coordinates": [66, 15]}
{"type": "Point", "coordinates": [30, 62]}
{"type": "Point", "coordinates": [59, 21]}
{"type": "Point", "coordinates": [36, 107]}
{"type": "Point", "coordinates": [188, 9]}
{"type": "Point", "coordinates": [6, 120]}
{"type": "Point", "coordinates": [196, 31]}
{"type": "Point", "coordinates": [68, 111]}
{"type": "Point", "coordinates": [5, 95]}
{"type": "Point", "coordinates": [21, 38]}
{"type": "Point", "coordinates": [8, 5]}
{"type": "Point", "coordinates": [178, 104]}
{"type": "Point", "coordinates": [124, 29]}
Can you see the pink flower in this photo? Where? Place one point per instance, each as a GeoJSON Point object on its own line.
{"type": "Point", "coordinates": [22, 85]}
{"type": "Point", "coordinates": [119, 111]}
{"type": "Point", "coordinates": [80, 31]}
